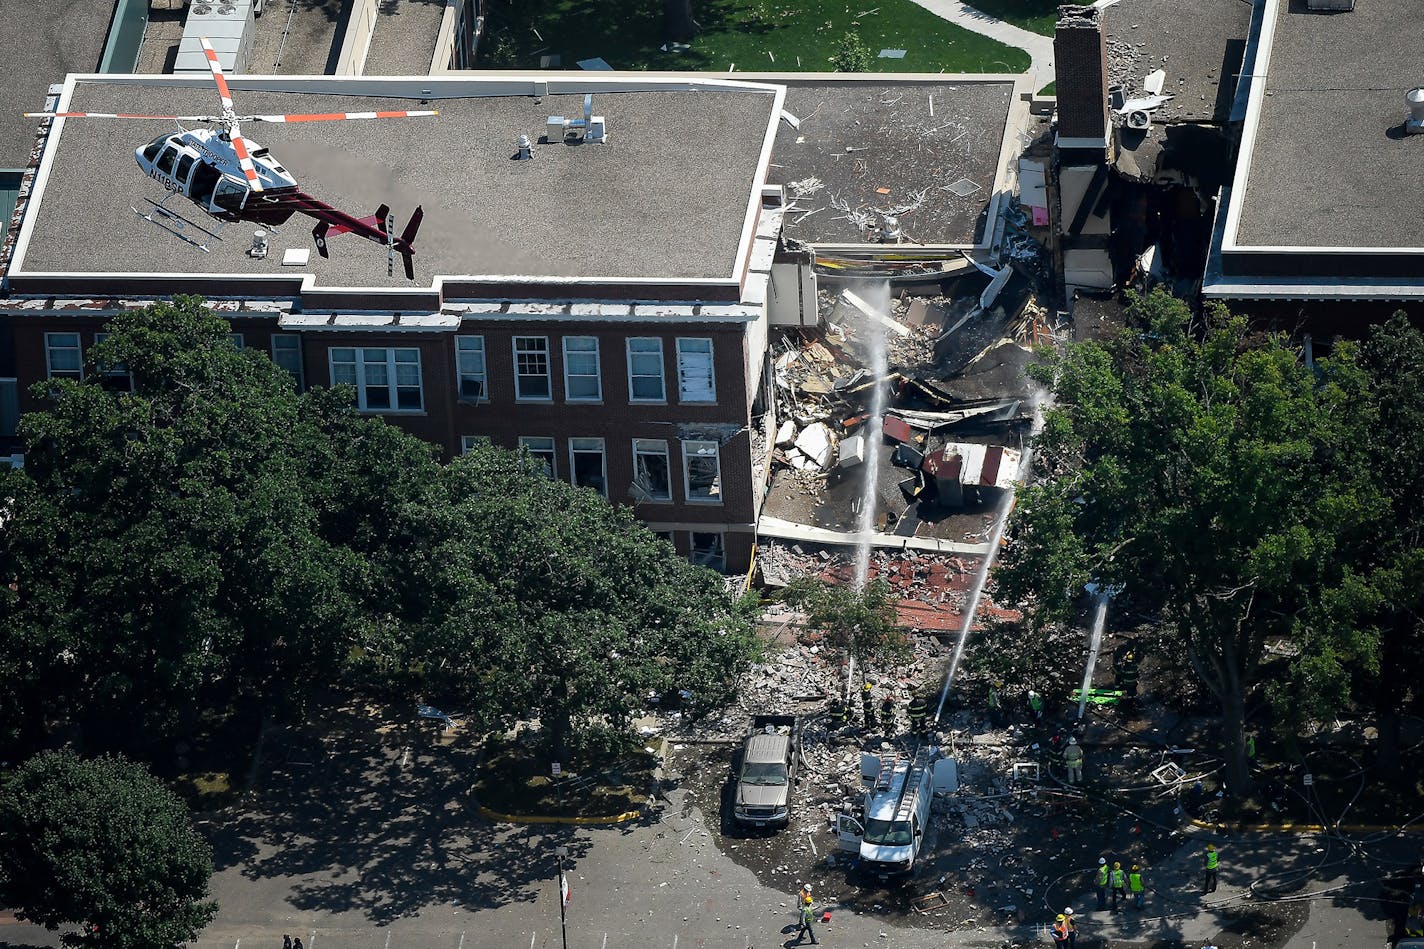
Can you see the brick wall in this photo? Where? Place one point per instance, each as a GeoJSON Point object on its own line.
{"type": "Point", "coordinates": [1081, 72]}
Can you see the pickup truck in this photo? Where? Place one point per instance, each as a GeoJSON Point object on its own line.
{"type": "Point", "coordinates": [766, 771]}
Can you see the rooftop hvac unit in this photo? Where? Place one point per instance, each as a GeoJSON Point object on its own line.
{"type": "Point", "coordinates": [1330, 4]}
{"type": "Point", "coordinates": [228, 25]}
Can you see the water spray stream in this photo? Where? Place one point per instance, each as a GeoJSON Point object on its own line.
{"type": "Point", "coordinates": [1095, 642]}
{"type": "Point", "coordinates": [872, 332]}
{"type": "Point", "coordinates": [995, 541]}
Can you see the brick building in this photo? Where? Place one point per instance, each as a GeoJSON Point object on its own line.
{"type": "Point", "coordinates": [606, 306]}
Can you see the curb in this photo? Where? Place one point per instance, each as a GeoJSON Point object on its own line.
{"type": "Point", "coordinates": [1307, 828]}
{"type": "Point", "coordinates": [579, 821]}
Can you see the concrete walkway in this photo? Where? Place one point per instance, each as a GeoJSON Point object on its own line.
{"type": "Point", "coordinates": [1039, 48]}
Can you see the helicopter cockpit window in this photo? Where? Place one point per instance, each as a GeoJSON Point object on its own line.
{"type": "Point", "coordinates": [150, 151]}
{"type": "Point", "coordinates": [165, 160]}
{"type": "Point", "coordinates": [204, 180]}
{"type": "Point", "coordinates": [185, 165]}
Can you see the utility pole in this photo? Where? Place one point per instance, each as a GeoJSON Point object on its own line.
{"type": "Point", "coordinates": [562, 852]}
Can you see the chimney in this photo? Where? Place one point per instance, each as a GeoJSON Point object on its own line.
{"type": "Point", "coordinates": [1080, 52]}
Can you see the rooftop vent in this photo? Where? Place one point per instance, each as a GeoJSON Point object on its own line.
{"type": "Point", "coordinates": [1414, 125]}
{"type": "Point", "coordinates": [590, 128]}
{"type": "Point", "coordinates": [1330, 4]}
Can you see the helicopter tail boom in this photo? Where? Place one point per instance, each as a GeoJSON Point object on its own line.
{"type": "Point", "coordinates": [331, 221]}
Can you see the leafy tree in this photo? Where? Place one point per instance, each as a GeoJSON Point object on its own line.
{"type": "Point", "coordinates": [538, 599]}
{"type": "Point", "coordinates": [862, 623]}
{"type": "Point", "coordinates": [102, 846]}
{"type": "Point", "coordinates": [678, 21]}
{"type": "Point", "coordinates": [1209, 473]}
{"type": "Point", "coordinates": [1368, 639]}
{"type": "Point", "coordinates": [177, 536]}
{"type": "Point", "coordinates": [851, 55]}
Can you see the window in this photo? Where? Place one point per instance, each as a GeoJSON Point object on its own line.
{"type": "Point", "coordinates": [236, 339]}
{"type": "Point", "coordinates": [116, 377]}
{"type": "Point", "coordinates": [386, 380]}
{"type": "Point", "coordinates": [702, 471]}
{"type": "Point", "coordinates": [9, 407]}
{"type": "Point", "coordinates": [541, 449]}
{"type": "Point", "coordinates": [694, 371]}
{"type": "Point", "coordinates": [185, 165]}
{"type": "Point", "coordinates": [531, 368]}
{"type": "Point", "coordinates": [645, 370]}
{"type": "Point", "coordinates": [652, 473]}
{"type": "Point", "coordinates": [468, 442]}
{"type": "Point", "coordinates": [582, 382]}
{"type": "Point", "coordinates": [586, 464]}
{"type": "Point", "coordinates": [707, 550]}
{"type": "Point", "coordinates": [287, 353]}
{"type": "Point", "coordinates": [470, 364]}
{"type": "Point", "coordinates": [165, 161]}
{"type": "Point", "coordinates": [63, 358]}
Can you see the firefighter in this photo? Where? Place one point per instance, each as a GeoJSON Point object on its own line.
{"type": "Point", "coordinates": [996, 707]}
{"type": "Point", "coordinates": [887, 710]}
{"type": "Point", "coordinates": [1127, 677]}
{"type": "Point", "coordinates": [1073, 758]}
{"type": "Point", "coordinates": [919, 713]}
{"type": "Point", "coordinates": [839, 714]}
{"type": "Point", "coordinates": [867, 706]}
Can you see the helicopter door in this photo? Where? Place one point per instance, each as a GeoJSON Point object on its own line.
{"type": "Point", "coordinates": [229, 196]}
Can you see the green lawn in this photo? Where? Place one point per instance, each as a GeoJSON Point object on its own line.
{"type": "Point", "coordinates": [1036, 15]}
{"type": "Point", "coordinates": [753, 35]}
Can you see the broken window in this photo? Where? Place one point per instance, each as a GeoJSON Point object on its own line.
{"type": "Point", "coordinates": [645, 369]}
{"type": "Point", "coordinates": [541, 450]}
{"type": "Point", "coordinates": [694, 371]}
{"type": "Point", "coordinates": [582, 382]}
{"type": "Point", "coordinates": [470, 364]}
{"type": "Point", "coordinates": [531, 368]}
{"type": "Point", "coordinates": [707, 550]}
{"type": "Point", "coordinates": [652, 472]}
{"type": "Point", "coordinates": [586, 464]}
{"type": "Point", "coordinates": [702, 469]}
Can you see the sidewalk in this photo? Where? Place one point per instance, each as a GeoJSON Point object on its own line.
{"type": "Point", "coordinates": [1039, 48]}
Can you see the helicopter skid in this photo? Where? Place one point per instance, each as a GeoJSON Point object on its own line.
{"type": "Point", "coordinates": [174, 223]}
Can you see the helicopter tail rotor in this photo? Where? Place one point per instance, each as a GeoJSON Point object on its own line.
{"type": "Point", "coordinates": [406, 243]}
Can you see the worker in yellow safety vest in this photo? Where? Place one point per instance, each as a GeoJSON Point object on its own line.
{"type": "Point", "coordinates": [1210, 862]}
{"type": "Point", "coordinates": [1102, 883]}
{"type": "Point", "coordinates": [1119, 885]}
{"type": "Point", "coordinates": [1134, 883]}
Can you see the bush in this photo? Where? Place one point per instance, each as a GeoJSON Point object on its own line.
{"type": "Point", "coordinates": [852, 55]}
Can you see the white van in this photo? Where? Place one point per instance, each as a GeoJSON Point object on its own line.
{"type": "Point", "coordinates": [889, 836]}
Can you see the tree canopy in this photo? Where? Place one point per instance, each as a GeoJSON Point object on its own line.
{"type": "Point", "coordinates": [101, 846]}
{"type": "Point", "coordinates": [861, 622]}
{"type": "Point", "coordinates": [209, 535]}
{"type": "Point", "coordinates": [1209, 472]}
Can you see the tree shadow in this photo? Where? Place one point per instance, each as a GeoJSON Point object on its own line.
{"type": "Point", "coordinates": [377, 818]}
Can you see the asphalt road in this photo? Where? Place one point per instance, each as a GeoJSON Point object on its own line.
{"type": "Point", "coordinates": [367, 840]}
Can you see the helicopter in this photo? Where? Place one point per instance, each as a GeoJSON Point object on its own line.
{"type": "Point", "coordinates": [233, 178]}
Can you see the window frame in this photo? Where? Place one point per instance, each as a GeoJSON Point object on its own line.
{"type": "Point", "coordinates": [711, 369]}
{"type": "Point", "coordinates": [460, 373]}
{"type": "Point", "coordinates": [110, 376]}
{"type": "Point", "coordinates": [603, 458]}
{"type": "Point", "coordinates": [720, 565]}
{"type": "Point", "coordinates": [300, 375]}
{"type": "Point", "coordinates": [569, 374]}
{"type": "Point", "coordinates": [687, 472]}
{"type": "Point", "coordinates": [519, 395]}
{"type": "Point", "coordinates": [470, 441]}
{"type": "Point", "coordinates": [662, 371]}
{"type": "Point", "coordinates": [50, 372]}
{"type": "Point", "coordinates": [638, 450]}
{"type": "Point", "coordinates": [359, 364]}
{"type": "Point", "coordinates": [552, 451]}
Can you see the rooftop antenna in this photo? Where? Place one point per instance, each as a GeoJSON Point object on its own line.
{"type": "Point", "coordinates": [1414, 125]}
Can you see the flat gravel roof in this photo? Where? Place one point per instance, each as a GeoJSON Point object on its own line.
{"type": "Point", "coordinates": [1331, 166]}
{"type": "Point", "coordinates": [665, 198]}
{"type": "Point", "coordinates": [42, 42]}
{"type": "Point", "coordinates": [867, 149]}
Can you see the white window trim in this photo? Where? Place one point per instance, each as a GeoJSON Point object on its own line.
{"type": "Point", "coordinates": [597, 370]}
{"type": "Point", "coordinates": [301, 374]}
{"type": "Point", "coordinates": [553, 454]}
{"type": "Point", "coordinates": [460, 372]}
{"type": "Point", "coordinates": [667, 456]}
{"type": "Point", "coordinates": [360, 365]}
{"type": "Point", "coordinates": [602, 454]}
{"type": "Point", "coordinates": [662, 371]}
{"type": "Point", "coordinates": [65, 373]}
{"type": "Point", "coordinates": [687, 474]}
{"type": "Point", "coordinates": [711, 369]}
{"type": "Point", "coordinates": [692, 548]}
{"type": "Point", "coordinates": [548, 371]}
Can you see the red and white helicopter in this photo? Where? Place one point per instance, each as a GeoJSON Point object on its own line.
{"type": "Point", "coordinates": [233, 178]}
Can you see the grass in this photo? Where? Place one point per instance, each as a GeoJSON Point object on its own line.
{"type": "Point", "coordinates": [1049, 90]}
{"type": "Point", "coordinates": [752, 35]}
{"type": "Point", "coordinates": [1036, 15]}
{"type": "Point", "coordinates": [514, 779]}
